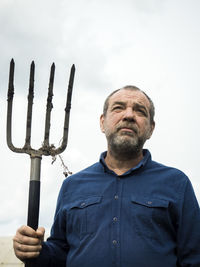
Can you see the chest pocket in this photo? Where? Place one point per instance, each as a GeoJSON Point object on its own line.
{"type": "Point", "coordinates": [81, 215]}
{"type": "Point", "coordinates": [149, 216]}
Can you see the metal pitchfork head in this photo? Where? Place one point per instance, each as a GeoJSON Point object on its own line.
{"type": "Point", "coordinates": [46, 149]}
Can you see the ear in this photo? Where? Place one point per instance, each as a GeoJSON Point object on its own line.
{"type": "Point", "coordinates": [152, 127]}
{"type": "Point", "coordinates": [102, 123]}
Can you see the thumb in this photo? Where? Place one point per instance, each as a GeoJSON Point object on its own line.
{"type": "Point", "coordinates": [40, 232]}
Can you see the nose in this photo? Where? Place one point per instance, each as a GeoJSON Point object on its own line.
{"type": "Point", "coordinates": [129, 115]}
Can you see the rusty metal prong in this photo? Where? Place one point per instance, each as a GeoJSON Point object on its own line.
{"type": "Point", "coordinates": [67, 113]}
{"type": "Point", "coordinates": [9, 108]}
{"type": "Point", "coordinates": [27, 145]}
{"type": "Point", "coordinates": [49, 107]}
{"type": "Point", "coordinates": [10, 101]}
{"type": "Point", "coordinates": [11, 80]}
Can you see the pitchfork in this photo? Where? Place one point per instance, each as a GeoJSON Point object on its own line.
{"type": "Point", "coordinates": [46, 149]}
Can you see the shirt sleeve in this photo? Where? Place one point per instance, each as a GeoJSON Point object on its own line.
{"type": "Point", "coordinates": [54, 250]}
{"type": "Point", "coordinates": [188, 236]}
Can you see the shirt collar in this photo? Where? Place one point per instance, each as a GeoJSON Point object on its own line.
{"type": "Point", "coordinates": [142, 163]}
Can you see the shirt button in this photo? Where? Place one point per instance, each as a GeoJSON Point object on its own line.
{"type": "Point", "coordinates": [115, 219]}
{"type": "Point", "coordinates": [114, 242]}
{"type": "Point", "coordinates": [82, 204]}
{"type": "Point", "coordinates": [116, 197]}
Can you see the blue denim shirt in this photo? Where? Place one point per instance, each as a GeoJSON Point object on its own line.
{"type": "Point", "coordinates": [147, 217]}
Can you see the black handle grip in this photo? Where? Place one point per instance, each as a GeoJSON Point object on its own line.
{"type": "Point", "coordinates": [33, 204]}
{"type": "Point", "coordinates": [33, 210]}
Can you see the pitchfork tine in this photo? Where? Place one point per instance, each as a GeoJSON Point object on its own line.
{"type": "Point", "coordinates": [67, 112]}
{"type": "Point", "coordinates": [30, 107]}
{"type": "Point", "coordinates": [10, 100]}
{"type": "Point", "coordinates": [9, 109]}
{"type": "Point", "coordinates": [11, 78]}
{"type": "Point", "coordinates": [49, 107]}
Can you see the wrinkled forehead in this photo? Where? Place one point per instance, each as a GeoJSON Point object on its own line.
{"type": "Point", "coordinates": [129, 96]}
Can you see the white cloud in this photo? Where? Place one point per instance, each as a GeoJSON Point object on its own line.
{"type": "Point", "coordinates": [152, 44]}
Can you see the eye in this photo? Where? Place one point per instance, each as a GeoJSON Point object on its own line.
{"type": "Point", "coordinates": [117, 108]}
{"type": "Point", "coordinates": [142, 112]}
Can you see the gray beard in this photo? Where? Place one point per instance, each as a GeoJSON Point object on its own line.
{"type": "Point", "coordinates": [123, 148]}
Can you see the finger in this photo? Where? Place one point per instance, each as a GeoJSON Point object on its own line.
{"type": "Point", "coordinates": [24, 248]}
{"type": "Point", "coordinates": [26, 230]}
{"type": "Point", "coordinates": [25, 252]}
{"type": "Point", "coordinates": [26, 240]}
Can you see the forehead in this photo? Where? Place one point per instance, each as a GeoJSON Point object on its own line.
{"type": "Point", "coordinates": [129, 96]}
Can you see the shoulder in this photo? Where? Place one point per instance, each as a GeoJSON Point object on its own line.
{"type": "Point", "coordinates": [160, 169]}
{"type": "Point", "coordinates": [79, 183]}
{"type": "Point", "coordinates": [165, 168]}
{"type": "Point", "coordinates": [167, 174]}
{"type": "Point", "coordinates": [173, 180]}
{"type": "Point", "coordinates": [87, 172]}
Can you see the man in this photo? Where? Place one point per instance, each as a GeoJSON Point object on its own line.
{"type": "Point", "coordinates": [126, 210]}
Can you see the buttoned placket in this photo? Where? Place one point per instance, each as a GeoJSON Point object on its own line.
{"type": "Point", "coordinates": [115, 218]}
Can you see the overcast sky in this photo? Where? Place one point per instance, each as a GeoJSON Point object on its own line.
{"type": "Point", "coordinates": [153, 44]}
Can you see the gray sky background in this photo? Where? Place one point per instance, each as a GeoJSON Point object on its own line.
{"type": "Point", "coordinates": [153, 44]}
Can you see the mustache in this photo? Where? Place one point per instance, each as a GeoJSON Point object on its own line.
{"type": "Point", "coordinates": [128, 126]}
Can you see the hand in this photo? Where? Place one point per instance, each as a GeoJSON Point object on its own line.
{"type": "Point", "coordinates": [27, 243]}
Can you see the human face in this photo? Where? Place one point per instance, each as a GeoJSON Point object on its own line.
{"type": "Point", "coordinates": [127, 122]}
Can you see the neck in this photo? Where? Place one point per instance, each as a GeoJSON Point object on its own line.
{"type": "Point", "coordinates": [119, 165]}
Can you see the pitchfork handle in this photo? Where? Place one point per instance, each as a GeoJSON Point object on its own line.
{"type": "Point", "coordinates": [34, 197]}
{"type": "Point", "coordinates": [33, 210]}
{"type": "Point", "coordinates": [33, 204]}
{"type": "Point", "coordinates": [34, 192]}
